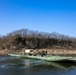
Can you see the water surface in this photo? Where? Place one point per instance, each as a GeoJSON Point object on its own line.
{"type": "Point", "coordinates": [20, 66]}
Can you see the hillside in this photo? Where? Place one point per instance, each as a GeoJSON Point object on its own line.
{"type": "Point", "coordinates": [28, 39]}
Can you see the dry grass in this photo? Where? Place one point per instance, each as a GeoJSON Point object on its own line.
{"type": "Point", "coordinates": [49, 51]}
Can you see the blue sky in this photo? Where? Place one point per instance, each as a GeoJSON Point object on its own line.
{"type": "Point", "coordinates": [40, 15]}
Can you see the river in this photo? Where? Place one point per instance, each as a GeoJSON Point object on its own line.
{"type": "Point", "coordinates": [19, 66]}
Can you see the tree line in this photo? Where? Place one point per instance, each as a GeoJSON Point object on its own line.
{"type": "Point", "coordinates": [25, 38]}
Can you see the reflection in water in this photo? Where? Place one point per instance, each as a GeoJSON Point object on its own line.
{"type": "Point", "coordinates": [19, 66]}
{"type": "Point", "coordinates": [62, 65]}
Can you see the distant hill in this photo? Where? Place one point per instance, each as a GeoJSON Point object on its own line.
{"type": "Point", "coordinates": [25, 38]}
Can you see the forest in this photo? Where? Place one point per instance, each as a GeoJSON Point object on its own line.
{"type": "Point", "coordinates": [30, 39]}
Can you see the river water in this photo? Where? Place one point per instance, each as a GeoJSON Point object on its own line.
{"type": "Point", "coordinates": [20, 66]}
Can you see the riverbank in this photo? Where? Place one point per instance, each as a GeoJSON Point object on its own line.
{"type": "Point", "coordinates": [4, 52]}
{"type": "Point", "coordinates": [49, 51]}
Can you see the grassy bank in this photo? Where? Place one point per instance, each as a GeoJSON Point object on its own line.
{"type": "Point", "coordinates": [49, 51]}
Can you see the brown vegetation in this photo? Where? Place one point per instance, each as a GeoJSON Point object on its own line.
{"type": "Point", "coordinates": [25, 39]}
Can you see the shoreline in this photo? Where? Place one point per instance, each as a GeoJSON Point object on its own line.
{"type": "Point", "coordinates": [49, 52]}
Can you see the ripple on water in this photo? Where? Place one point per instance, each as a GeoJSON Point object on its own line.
{"type": "Point", "coordinates": [4, 66]}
